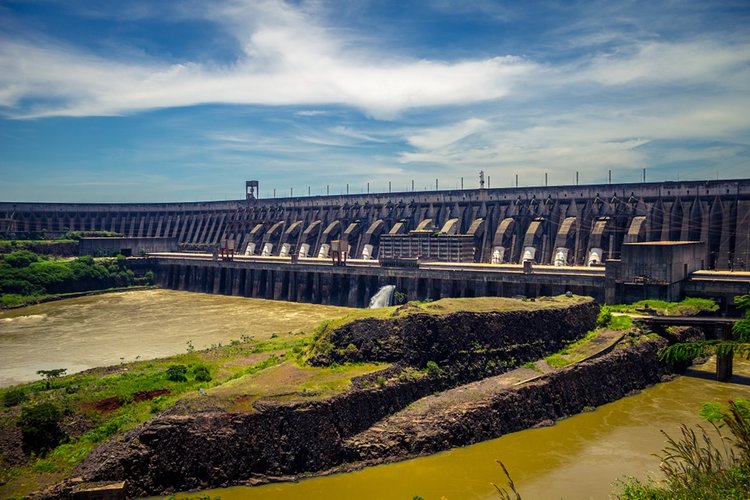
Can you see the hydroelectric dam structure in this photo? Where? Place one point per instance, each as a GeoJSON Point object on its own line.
{"type": "Point", "coordinates": [612, 241]}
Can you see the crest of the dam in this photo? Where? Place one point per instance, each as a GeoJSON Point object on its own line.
{"type": "Point", "coordinates": [613, 241]}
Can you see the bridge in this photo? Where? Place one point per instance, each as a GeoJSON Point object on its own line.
{"type": "Point", "coordinates": [716, 327]}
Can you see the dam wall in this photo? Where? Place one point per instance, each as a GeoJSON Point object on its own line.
{"type": "Point", "coordinates": [561, 225]}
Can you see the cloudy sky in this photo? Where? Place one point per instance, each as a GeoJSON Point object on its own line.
{"type": "Point", "coordinates": [129, 100]}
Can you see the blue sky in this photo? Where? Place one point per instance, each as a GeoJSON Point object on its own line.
{"type": "Point", "coordinates": [128, 100]}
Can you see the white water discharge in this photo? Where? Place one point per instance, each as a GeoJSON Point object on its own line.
{"type": "Point", "coordinates": [383, 297]}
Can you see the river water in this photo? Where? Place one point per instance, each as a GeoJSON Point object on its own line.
{"type": "Point", "coordinates": [580, 457]}
{"type": "Point", "coordinates": [108, 329]}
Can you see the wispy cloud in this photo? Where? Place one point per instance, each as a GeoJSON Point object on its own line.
{"type": "Point", "coordinates": [288, 59]}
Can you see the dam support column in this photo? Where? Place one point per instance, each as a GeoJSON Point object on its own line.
{"type": "Point", "coordinates": [724, 362]}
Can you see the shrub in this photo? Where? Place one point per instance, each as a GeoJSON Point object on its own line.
{"type": "Point", "coordinates": [40, 428]}
{"type": "Point", "coordinates": [177, 373]}
{"type": "Point", "coordinates": [432, 369]}
{"type": "Point", "coordinates": [20, 287]}
{"type": "Point", "coordinates": [21, 258]}
{"type": "Point", "coordinates": [201, 373]}
{"type": "Point", "coordinates": [14, 397]}
{"type": "Point", "coordinates": [604, 318]}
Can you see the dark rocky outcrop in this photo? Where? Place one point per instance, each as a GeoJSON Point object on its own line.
{"type": "Point", "coordinates": [470, 344]}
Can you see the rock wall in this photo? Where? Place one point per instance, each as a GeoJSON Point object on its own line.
{"type": "Point", "coordinates": [213, 449]}
{"type": "Point", "coordinates": [551, 397]}
{"type": "Point", "coordinates": [468, 345]}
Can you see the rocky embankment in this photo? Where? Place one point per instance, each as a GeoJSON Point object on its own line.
{"type": "Point", "coordinates": [371, 423]}
{"type": "Point", "coordinates": [434, 426]}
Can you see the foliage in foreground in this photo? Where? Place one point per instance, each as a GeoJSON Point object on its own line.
{"type": "Point", "coordinates": [695, 466]}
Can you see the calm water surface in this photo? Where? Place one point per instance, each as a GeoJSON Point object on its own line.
{"type": "Point", "coordinates": [578, 458]}
{"type": "Point", "coordinates": [101, 330]}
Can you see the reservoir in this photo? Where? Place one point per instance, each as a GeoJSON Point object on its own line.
{"type": "Point", "coordinates": [579, 457]}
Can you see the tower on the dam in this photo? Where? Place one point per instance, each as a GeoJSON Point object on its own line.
{"type": "Point", "coordinates": [252, 190]}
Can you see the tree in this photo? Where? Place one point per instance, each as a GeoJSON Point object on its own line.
{"type": "Point", "coordinates": [40, 428]}
{"type": "Point", "coordinates": [50, 375]}
{"type": "Point", "coordinates": [739, 344]}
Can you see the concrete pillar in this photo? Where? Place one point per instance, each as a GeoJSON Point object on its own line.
{"type": "Point", "coordinates": [278, 285]}
{"type": "Point", "coordinates": [353, 291]}
{"type": "Point", "coordinates": [446, 288]}
{"type": "Point", "coordinates": [480, 288]}
{"type": "Point", "coordinates": [412, 290]}
{"type": "Point", "coordinates": [216, 280]}
{"type": "Point", "coordinates": [237, 279]}
{"type": "Point", "coordinates": [724, 363]}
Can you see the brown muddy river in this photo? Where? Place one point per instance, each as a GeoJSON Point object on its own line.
{"type": "Point", "coordinates": [108, 329]}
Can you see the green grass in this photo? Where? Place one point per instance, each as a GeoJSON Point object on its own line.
{"type": "Point", "coordinates": [568, 355]}
{"type": "Point", "coordinates": [690, 306]}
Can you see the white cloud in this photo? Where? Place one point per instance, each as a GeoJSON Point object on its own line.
{"type": "Point", "coordinates": [690, 62]}
{"type": "Point", "coordinates": [288, 59]}
{"type": "Point", "coordinates": [442, 137]}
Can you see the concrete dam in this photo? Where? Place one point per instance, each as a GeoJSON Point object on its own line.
{"type": "Point", "coordinates": [563, 225]}
{"type": "Point", "coordinates": [616, 242]}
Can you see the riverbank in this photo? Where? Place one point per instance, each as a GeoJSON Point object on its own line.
{"type": "Point", "coordinates": [305, 431]}
{"type": "Point", "coordinates": [582, 456]}
{"type": "Point", "coordinates": [30, 278]}
{"type": "Point", "coordinates": [62, 296]}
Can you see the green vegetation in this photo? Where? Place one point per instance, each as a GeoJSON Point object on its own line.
{"type": "Point", "coordinates": [687, 307]}
{"type": "Point", "coordinates": [695, 466]}
{"type": "Point", "coordinates": [607, 320]}
{"type": "Point", "coordinates": [40, 428]}
{"type": "Point", "coordinates": [176, 373]}
{"type": "Point", "coordinates": [572, 352]}
{"type": "Point", "coordinates": [201, 373]}
{"type": "Point", "coordinates": [26, 277]}
{"type": "Point", "coordinates": [432, 369]}
{"type": "Point", "coordinates": [14, 397]}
